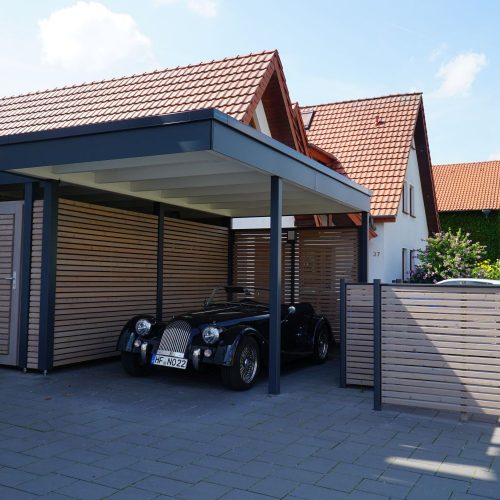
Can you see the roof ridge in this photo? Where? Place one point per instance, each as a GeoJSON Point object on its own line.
{"type": "Point", "coordinates": [467, 163]}
{"type": "Point", "coordinates": [134, 75]}
{"type": "Point", "coordinates": [362, 99]}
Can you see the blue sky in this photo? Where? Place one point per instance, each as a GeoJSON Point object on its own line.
{"type": "Point", "coordinates": [331, 50]}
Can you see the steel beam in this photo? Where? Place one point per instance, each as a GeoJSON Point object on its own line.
{"type": "Point", "coordinates": [275, 286]}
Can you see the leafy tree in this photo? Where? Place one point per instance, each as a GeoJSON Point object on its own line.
{"type": "Point", "coordinates": [447, 255]}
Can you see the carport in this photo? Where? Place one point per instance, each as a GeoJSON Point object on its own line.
{"type": "Point", "coordinates": [202, 160]}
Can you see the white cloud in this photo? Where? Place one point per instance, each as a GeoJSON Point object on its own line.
{"type": "Point", "coordinates": [204, 8]}
{"type": "Point", "coordinates": [459, 74]}
{"type": "Point", "coordinates": [90, 38]}
{"type": "Point", "coordinates": [494, 156]}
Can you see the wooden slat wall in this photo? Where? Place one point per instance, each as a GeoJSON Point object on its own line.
{"type": "Point", "coordinates": [359, 334]}
{"type": "Point", "coordinates": [106, 272]}
{"type": "Point", "coordinates": [7, 222]}
{"type": "Point", "coordinates": [441, 348]}
{"type": "Point", "coordinates": [36, 268]}
{"type": "Point", "coordinates": [195, 260]}
{"type": "Point", "coordinates": [325, 257]}
{"type": "Point", "coordinates": [251, 262]}
{"type": "Point", "coordinates": [322, 258]}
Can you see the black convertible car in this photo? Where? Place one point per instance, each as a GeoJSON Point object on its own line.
{"type": "Point", "coordinates": [231, 331]}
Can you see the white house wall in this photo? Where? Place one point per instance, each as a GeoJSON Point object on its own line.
{"type": "Point", "coordinates": [385, 251]}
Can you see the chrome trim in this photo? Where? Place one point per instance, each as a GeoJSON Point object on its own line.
{"type": "Point", "coordinates": [175, 339]}
{"type": "Point", "coordinates": [196, 358]}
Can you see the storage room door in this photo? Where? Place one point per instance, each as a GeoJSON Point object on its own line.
{"type": "Point", "coordinates": [10, 262]}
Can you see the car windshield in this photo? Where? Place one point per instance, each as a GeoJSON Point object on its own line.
{"type": "Point", "coordinates": [235, 294]}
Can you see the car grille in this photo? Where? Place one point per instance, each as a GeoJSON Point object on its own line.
{"type": "Point", "coordinates": [175, 338]}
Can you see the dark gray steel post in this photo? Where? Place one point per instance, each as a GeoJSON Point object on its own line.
{"type": "Point", "coordinates": [29, 195]}
{"type": "Point", "coordinates": [377, 345]}
{"type": "Point", "coordinates": [160, 249]}
{"type": "Point", "coordinates": [363, 248]}
{"type": "Point", "coordinates": [275, 286]}
{"type": "Point", "coordinates": [48, 276]}
{"type": "Point", "coordinates": [343, 339]}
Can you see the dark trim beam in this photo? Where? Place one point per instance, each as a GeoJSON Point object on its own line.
{"type": "Point", "coordinates": [48, 276]}
{"type": "Point", "coordinates": [275, 286]}
{"type": "Point", "coordinates": [377, 345]}
{"type": "Point", "coordinates": [363, 247]}
{"type": "Point", "coordinates": [27, 232]}
{"type": "Point", "coordinates": [160, 212]}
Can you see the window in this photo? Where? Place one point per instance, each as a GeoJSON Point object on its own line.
{"type": "Point", "coordinates": [405, 265]}
{"type": "Point", "coordinates": [405, 197]}
{"type": "Point", "coordinates": [412, 201]}
{"type": "Point", "coordinates": [413, 260]}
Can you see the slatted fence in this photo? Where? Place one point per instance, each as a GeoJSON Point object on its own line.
{"type": "Point", "coordinates": [195, 260]}
{"type": "Point", "coordinates": [106, 273]}
{"type": "Point", "coordinates": [358, 334]}
{"type": "Point", "coordinates": [312, 266]}
{"type": "Point", "coordinates": [440, 347]}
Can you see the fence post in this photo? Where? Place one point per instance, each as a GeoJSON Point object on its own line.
{"type": "Point", "coordinates": [343, 345]}
{"type": "Point", "coordinates": [377, 346]}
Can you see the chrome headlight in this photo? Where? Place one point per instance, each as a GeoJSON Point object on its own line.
{"type": "Point", "coordinates": [211, 334]}
{"type": "Point", "coordinates": [143, 327]}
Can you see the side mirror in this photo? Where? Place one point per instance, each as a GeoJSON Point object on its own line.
{"type": "Point", "coordinates": [291, 310]}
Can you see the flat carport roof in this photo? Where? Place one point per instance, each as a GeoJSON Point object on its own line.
{"type": "Point", "coordinates": [202, 160]}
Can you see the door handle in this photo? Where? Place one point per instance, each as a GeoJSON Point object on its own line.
{"type": "Point", "coordinates": [13, 278]}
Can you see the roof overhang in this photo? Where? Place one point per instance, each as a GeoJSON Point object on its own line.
{"type": "Point", "coordinates": [202, 160]}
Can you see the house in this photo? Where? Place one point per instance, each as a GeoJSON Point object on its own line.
{"type": "Point", "coordinates": [382, 144]}
{"type": "Point", "coordinates": [468, 198]}
{"type": "Point", "coordinates": [117, 197]}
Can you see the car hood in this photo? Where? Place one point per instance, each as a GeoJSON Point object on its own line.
{"type": "Point", "coordinates": [224, 315]}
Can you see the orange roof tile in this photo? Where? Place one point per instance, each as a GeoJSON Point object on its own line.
{"type": "Point", "coordinates": [371, 138]}
{"type": "Point", "coordinates": [467, 186]}
{"type": "Point", "coordinates": [231, 85]}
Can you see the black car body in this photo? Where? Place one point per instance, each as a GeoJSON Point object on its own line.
{"type": "Point", "coordinates": [231, 333]}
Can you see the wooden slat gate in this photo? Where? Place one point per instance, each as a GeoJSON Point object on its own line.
{"type": "Point", "coordinates": [312, 266]}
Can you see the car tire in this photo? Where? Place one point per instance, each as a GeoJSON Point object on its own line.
{"type": "Point", "coordinates": [133, 366]}
{"type": "Point", "coordinates": [322, 344]}
{"type": "Point", "coordinates": [241, 375]}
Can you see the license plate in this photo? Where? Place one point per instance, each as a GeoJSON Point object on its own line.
{"type": "Point", "coordinates": [169, 361]}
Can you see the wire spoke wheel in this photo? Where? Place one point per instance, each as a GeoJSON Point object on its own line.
{"type": "Point", "coordinates": [323, 344]}
{"type": "Point", "coordinates": [249, 360]}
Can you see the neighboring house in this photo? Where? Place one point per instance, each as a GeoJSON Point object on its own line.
{"type": "Point", "coordinates": [468, 197]}
{"type": "Point", "coordinates": [382, 144]}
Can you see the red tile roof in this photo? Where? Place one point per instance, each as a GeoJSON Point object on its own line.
{"type": "Point", "coordinates": [371, 138]}
{"type": "Point", "coordinates": [233, 85]}
{"type": "Point", "coordinates": [467, 186]}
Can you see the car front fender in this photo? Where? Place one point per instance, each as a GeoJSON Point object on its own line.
{"type": "Point", "coordinates": [232, 339]}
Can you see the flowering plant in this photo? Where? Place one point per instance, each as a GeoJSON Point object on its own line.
{"type": "Point", "coordinates": [447, 255]}
{"type": "Point", "coordinates": [487, 269]}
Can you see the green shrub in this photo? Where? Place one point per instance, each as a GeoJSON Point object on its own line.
{"type": "Point", "coordinates": [447, 255]}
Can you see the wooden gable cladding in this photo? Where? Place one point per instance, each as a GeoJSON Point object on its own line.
{"type": "Point", "coordinates": [106, 273]}
{"type": "Point", "coordinates": [35, 280]}
{"type": "Point", "coordinates": [195, 261]}
{"type": "Point", "coordinates": [7, 222]}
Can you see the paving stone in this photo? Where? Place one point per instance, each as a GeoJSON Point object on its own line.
{"type": "Point", "coordinates": [339, 482]}
{"type": "Point", "coordinates": [400, 477]}
{"type": "Point", "coordinates": [232, 479]}
{"type": "Point", "coordinates": [13, 477]}
{"type": "Point", "coordinates": [116, 462]}
{"type": "Point", "coordinates": [162, 485]}
{"type": "Point", "coordinates": [274, 487]}
{"type": "Point", "coordinates": [316, 464]}
{"type": "Point", "coordinates": [311, 492]}
{"type": "Point", "coordinates": [295, 474]}
{"type": "Point", "coordinates": [83, 471]}
{"type": "Point", "coordinates": [86, 491]}
{"type": "Point", "coordinates": [13, 494]}
{"type": "Point", "coordinates": [358, 470]}
{"type": "Point", "coordinates": [490, 489]}
{"type": "Point", "coordinates": [437, 487]}
{"type": "Point", "coordinates": [244, 495]}
{"type": "Point", "coordinates": [154, 467]}
{"type": "Point", "coordinates": [45, 484]}
{"type": "Point", "coordinates": [363, 495]}
{"type": "Point", "coordinates": [122, 478]}
{"type": "Point", "coordinates": [190, 473]}
{"type": "Point", "coordinates": [82, 456]}
{"type": "Point", "coordinates": [205, 491]}
{"type": "Point", "coordinates": [133, 493]}
{"type": "Point", "coordinates": [14, 459]}
{"type": "Point", "coordinates": [382, 488]}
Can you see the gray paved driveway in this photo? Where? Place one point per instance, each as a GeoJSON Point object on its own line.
{"type": "Point", "coordinates": [93, 432]}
